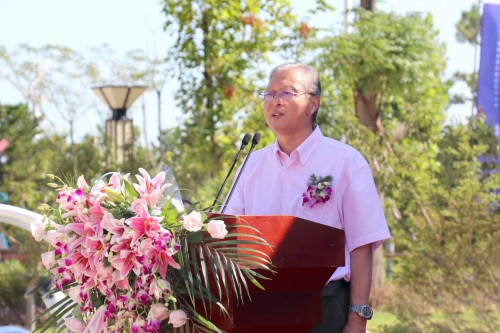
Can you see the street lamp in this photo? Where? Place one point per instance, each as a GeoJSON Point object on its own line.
{"type": "Point", "coordinates": [119, 128]}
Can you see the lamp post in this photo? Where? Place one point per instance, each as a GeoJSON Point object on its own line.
{"type": "Point", "coordinates": [119, 128]}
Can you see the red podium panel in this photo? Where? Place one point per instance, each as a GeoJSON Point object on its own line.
{"type": "Point", "coordinates": [305, 254]}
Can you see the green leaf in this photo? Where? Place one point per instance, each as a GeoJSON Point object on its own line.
{"type": "Point", "coordinates": [195, 237]}
{"type": "Point", "coordinates": [130, 190]}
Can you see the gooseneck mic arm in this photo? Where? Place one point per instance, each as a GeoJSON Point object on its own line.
{"type": "Point", "coordinates": [255, 141]}
{"type": "Point", "coordinates": [244, 142]}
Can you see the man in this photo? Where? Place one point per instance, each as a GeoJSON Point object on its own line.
{"type": "Point", "coordinates": [307, 175]}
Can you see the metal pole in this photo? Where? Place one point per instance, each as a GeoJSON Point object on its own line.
{"type": "Point", "coordinates": [476, 48]}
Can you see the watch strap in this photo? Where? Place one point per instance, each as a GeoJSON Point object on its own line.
{"type": "Point", "coordinates": [364, 311]}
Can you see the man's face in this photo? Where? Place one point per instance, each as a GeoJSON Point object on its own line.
{"type": "Point", "coordinates": [291, 117]}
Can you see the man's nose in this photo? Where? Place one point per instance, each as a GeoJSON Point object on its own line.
{"type": "Point", "coordinates": [276, 99]}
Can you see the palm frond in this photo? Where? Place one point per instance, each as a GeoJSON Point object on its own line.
{"type": "Point", "coordinates": [57, 312]}
{"type": "Point", "coordinates": [224, 265]}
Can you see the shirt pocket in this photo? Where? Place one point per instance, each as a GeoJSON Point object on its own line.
{"type": "Point", "coordinates": [324, 213]}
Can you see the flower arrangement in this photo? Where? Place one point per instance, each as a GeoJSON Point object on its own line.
{"type": "Point", "coordinates": [127, 263]}
{"type": "Point", "coordinates": [319, 190]}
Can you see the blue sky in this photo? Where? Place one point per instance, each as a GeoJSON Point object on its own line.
{"type": "Point", "coordinates": [138, 24]}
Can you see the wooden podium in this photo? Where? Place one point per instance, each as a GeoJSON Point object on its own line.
{"type": "Point", "coordinates": [305, 254]}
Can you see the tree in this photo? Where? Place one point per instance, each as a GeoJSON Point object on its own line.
{"type": "Point", "coordinates": [136, 67]}
{"type": "Point", "coordinates": [50, 78]}
{"type": "Point", "coordinates": [18, 170]}
{"type": "Point", "coordinates": [448, 266]}
{"type": "Point", "coordinates": [440, 206]}
{"type": "Point", "coordinates": [23, 167]}
{"type": "Point", "coordinates": [368, 4]}
{"type": "Point", "coordinates": [391, 67]}
{"type": "Point", "coordinates": [468, 27]}
{"type": "Point", "coordinates": [219, 52]}
{"type": "Point", "coordinates": [20, 176]}
{"type": "Point", "coordinates": [468, 31]}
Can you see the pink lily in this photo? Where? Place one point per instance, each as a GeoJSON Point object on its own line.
{"type": "Point", "coordinates": [74, 325]}
{"type": "Point", "coordinates": [127, 261]}
{"type": "Point", "coordinates": [98, 323]}
{"type": "Point", "coordinates": [150, 189]}
{"type": "Point", "coordinates": [144, 224]}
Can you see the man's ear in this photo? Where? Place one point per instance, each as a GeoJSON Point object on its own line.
{"type": "Point", "coordinates": [315, 103]}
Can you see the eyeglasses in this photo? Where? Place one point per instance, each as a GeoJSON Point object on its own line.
{"type": "Point", "coordinates": [283, 95]}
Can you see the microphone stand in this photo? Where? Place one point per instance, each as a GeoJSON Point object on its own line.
{"type": "Point", "coordinates": [244, 142]}
{"type": "Point", "coordinates": [255, 141]}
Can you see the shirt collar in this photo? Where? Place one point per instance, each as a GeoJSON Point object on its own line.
{"type": "Point", "coordinates": [306, 148]}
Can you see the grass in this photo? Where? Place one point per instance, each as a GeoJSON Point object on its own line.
{"type": "Point", "coordinates": [383, 319]}
{"type": "Point", "coordinates": [380, 318]}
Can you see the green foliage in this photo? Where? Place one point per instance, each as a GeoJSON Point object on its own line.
{"type": "Point", "coordinates": [400, 60]}
{"type": "Point", "coordinates": [439, 200]}
{"type": "Point", "coordinates": [396, 57]}
{"type": "Point", "coordinates": [18, 171]}
{"type": "Point", "coordinates": [23, 167]}
{"type": "Point", "coordinates": [13, 282]}
{"type": "Point", "coordinates": [468, 31]}
{"type": "Point", "coordinates": [469, 26]}
{"type": "Point", "coordinates": [212, 270]}
{"type": "Point", "coordinates": [445, 260]}
{"type": "Point", "coordinates": [441, 208]}
{"type": "Point", "coordinates": [205, 272]}
{"type": "Point", "coordinates": [219, 51]}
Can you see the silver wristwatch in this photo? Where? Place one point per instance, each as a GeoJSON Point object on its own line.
{"type": "Point", "coordinates": [363, 311]}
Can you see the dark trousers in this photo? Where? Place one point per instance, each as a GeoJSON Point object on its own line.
{"type": "Point", "coordinates": [335, 306]}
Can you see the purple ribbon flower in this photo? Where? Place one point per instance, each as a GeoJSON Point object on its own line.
{"type": "Point", "coordinates": [319, 190]}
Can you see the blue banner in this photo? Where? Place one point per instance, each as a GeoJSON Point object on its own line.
{"type": "Point", "coordinates": [488, 85]}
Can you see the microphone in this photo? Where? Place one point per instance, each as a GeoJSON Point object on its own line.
{"type": "Point", "coordinates": [255, 141]}
{"type": "Point", "coordinates": [244, 142]}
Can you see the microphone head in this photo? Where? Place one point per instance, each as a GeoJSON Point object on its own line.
{"type": "Point", "coordinates": [246, 140]}
{"type": "Point", "coordinates": [255, 139]}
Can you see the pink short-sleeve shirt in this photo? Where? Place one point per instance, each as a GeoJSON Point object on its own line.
{"type": "Point", "coordinates": [272, 183]}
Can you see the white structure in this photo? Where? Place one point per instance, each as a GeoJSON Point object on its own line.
{"type": "Point", "coordinates": [23, 218]}
{"type": "Point", "coordinates": [18, 217]}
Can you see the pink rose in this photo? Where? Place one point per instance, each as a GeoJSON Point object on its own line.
{"type": "Point", "coordinates": [158, 312]}
{"type": "Point", "coordinates": [217, 229]}
{"type": "Point", "coordinates": [192, 222]}
{"type": "Point", "coordinates": [177, 318]}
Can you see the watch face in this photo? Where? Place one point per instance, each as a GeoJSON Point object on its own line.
{"type": "Point", "coordinates": [366, 312]}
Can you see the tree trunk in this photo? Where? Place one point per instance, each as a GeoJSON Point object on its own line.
{"type": "Point", "coordinates": [378, 274]}
{"type": "Point", "coordinates": [160, 134]}
{"type": "Point", "coordinates": [31, 305]}
{"type": "Point", "coordinates": [209, 84]}
{"type": "Point", "coordinates": [368, 4]}
{"type": "Point", "coordinates": [365, 105]}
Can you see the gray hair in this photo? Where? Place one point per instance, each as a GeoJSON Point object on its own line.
{"type": "Point", "coordinates": [312, 82]}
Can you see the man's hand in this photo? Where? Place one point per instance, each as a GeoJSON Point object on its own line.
{"type": "Point", "coordinates": [355, 324]}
